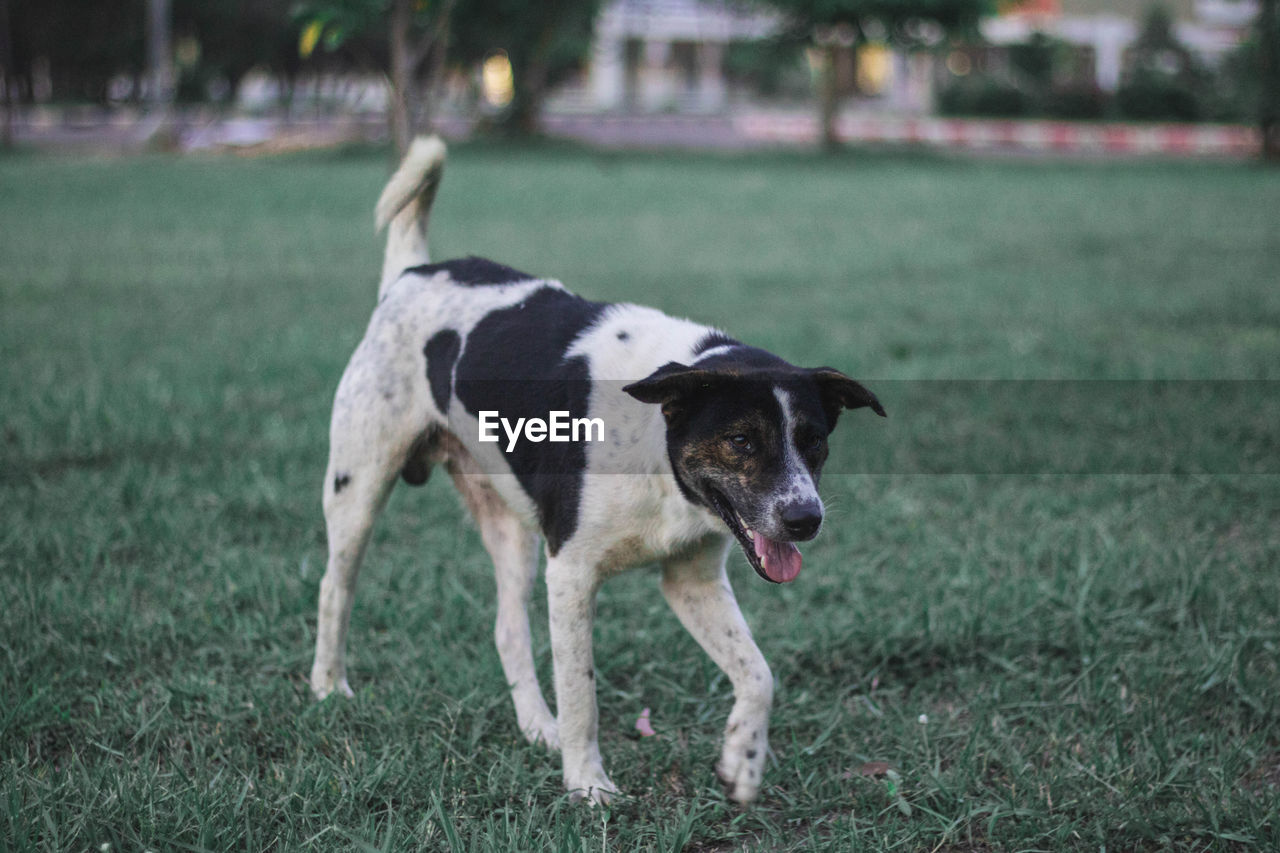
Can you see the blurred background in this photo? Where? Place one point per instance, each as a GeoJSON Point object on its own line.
{"type": "Point", "coordinates": [1044, 613]}
{"type": "Point", "coordinates": [716, 73]}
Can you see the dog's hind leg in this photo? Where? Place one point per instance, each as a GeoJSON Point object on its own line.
{"type": "Point", "coordinates": [514, 550]}
{"type": "Point", "coordinates": [698, 590]}
{"type": "Point", "coordinates": [352, 500]}
{"type": "Point", "coordinates": [371, 441]}
{"type": "Point", "coordinates": [349, 520]}
{"type": "Point", "coordinates": [379, 415]}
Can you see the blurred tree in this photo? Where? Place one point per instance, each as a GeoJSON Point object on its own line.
{"type": "Point", "coordinates": [1269, 72]}
{"type": "Point", "coordinates": [837, 27]}
{"type": "Point", "coordinates": [230, 38]}
{"type": "Point", "coordinates": [1162, 78]}
{"type": "Point", "coordinates": [772, 67]}
{"type": "Point", "coordinates": [1034, 59]}
{"type": "Point", "coordinates": [417, 41]}
{"type": "Point", "coordinates": [160, 76]}
{"type": "Point", "coordinates": [544, 41]}
{"type": "Point", "coordinates": [72, 50]}
{"type": "Point", "coordinates": [8, 86]}
{"type": "Point", "coordinates": [63, 49]}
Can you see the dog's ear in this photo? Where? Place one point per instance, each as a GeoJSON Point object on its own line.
{"type": "Point", "coordinates": [839, 392]}
{"type": "Point", "coordinates": [671, 386]}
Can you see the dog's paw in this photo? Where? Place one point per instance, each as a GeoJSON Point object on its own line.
{"type": "Point", "coordinates": [542, 731]}
{"type": "Point", "coordinates": [741, 782]}
{"type": "Point", "coordinates": [593, 788]}
{"type": "Point", "coordinates": [741, 769]}
{"type": "Point", "coordinates": [322, 687]}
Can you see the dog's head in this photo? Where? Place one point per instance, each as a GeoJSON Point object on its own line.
{"type": "Point", "coordinates": [747, 438]}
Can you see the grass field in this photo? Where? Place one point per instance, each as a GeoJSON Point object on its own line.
{"type": "Point", "coordinates": [1044, 661]}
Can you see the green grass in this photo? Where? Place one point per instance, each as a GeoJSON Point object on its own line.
{"type": "Point", "coordinates": [1096, 656]}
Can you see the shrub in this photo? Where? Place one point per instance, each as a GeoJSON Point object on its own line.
{"type": "Point", "coordinates": [983, 95]}
{"type": "Point", "coordinates": [1154, 97]}
{"type": "Point", "coordinates": [1076, 102]}
{"type": "Point", "coordinates": [1163, 79]}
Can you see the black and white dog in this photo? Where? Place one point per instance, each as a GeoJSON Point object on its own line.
{"type": "Point", "coordinates": [689, 440]}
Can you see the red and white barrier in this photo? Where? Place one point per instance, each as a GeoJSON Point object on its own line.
{"type": "Point", "coordinates": [1033, 136]}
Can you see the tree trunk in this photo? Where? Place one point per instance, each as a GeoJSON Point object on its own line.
{"type": "Point", "coordinates": [526, 110]}
{"type": "Point", "coordinates": [434, 53]}
{"type": "Point", "coordinates": [6, 112]}
{"type": "Point", "coordinates": [839, 75]}
{"type": "Point", "coordinates": [410, 108]}
{"type": "Point", "coordinates": [530, 70]}
{"type": "Point", "coordinates": [829, 96]}
{"type": "Point", "coordinates": [399, 113]}
{"type": "Point", "coordinates": [160, 72]}
{"type": "Point", "coordinates": [8, 79]}
{"type": "Point", "coordinates": [1269, 48]}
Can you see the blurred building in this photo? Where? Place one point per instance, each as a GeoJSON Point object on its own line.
{"type": "Point", "coordinates": [669, 55]}
{"type": "Point", "coordinates": [1103, 30]}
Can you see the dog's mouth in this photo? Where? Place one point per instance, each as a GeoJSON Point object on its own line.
{"type": "Point", "coordinates": [775, 561]}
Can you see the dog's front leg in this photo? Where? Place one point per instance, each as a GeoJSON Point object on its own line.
{"type": "Point", "coordinates": [698, 590]}
{"type": "Point", "coordinates": [571, 602]}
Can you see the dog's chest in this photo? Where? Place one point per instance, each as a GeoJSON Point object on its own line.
{"type": "Point", "coordinates": [637, 519]}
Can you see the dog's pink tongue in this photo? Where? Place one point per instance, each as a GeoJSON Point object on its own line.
{"type": "Point", "coordinates": [781, 560]}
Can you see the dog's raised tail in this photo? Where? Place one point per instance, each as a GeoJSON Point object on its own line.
{"type": "Point", "coordinates": [405, 206]}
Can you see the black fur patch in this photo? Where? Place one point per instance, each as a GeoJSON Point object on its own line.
{"type": "Point", "coordinates": [711, 340]}
{"type": "Point", "coordinates": [441, 352]}
{"type": "Point", "coordinates": [514, 363]}
{"type": "Point", "coordinates": [747, 359]}
{"type": "Point", "coordinates": [340, 482]}
{"type": "Point", "coordinates": [474, 272]}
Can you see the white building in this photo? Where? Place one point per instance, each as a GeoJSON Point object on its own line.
{"type": "Point", "coordinates": [1209, 28]}
{"type": "Point", "coordinates": [668, 55]}
{"type": "Point", "coordinates": [657, 55]}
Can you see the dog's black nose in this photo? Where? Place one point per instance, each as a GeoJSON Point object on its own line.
{"type": "Point", "coordinates": [802, 520]}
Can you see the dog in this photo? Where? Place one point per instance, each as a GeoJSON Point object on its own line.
{"type": "Point", "coordinates": [690, 441]}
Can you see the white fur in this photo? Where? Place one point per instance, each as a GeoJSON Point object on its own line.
{"type": "Point", "coordinates": [404, 206]}
{"type": "Point", "coordinates": [797, 481]}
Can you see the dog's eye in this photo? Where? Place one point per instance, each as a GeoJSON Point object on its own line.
{"type": "Point", "coordinates": [741, 442]}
